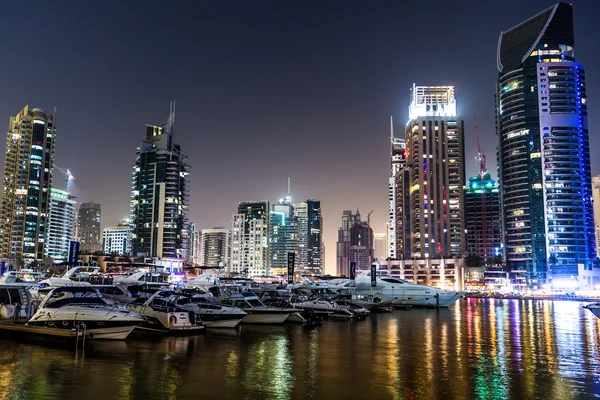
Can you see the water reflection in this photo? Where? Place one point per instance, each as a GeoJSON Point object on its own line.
{"type": "Point", "coordinates": [485, 349]}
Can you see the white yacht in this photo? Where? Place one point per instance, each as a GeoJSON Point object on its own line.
{"type": "Point", "coordinates": [594, 308]}
{"type": "Point", "coordinates": [399, 291]}
{"type": "Point", "coordinates": [162, 316]}
{"type": "Point", "coordinates": [81, 307]}
{"type": "Point", "coordinates": [209, 310]}
{"type": "Point", "coordinates": [82, 275]}
{"type": "Point", "coordinates": [21, 278]}
{"type": "Point", "coordinates": [321, 306]}
{"type": "Point", "coordinates": [257, 312]}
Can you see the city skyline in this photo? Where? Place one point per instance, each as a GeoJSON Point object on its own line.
{"type": "Point", "coordinates": [356, 123]}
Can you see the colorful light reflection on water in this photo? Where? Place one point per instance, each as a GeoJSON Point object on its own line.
{"type": "Point", "coordinates": [480, 348]}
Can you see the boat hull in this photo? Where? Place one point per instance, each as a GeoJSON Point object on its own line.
{"type": "Point", "coordinates": [97, 330]}
{"type": "Point", "coordinates": [268, 317]}
{"type": "Point", "coordinates": [296, 317]}
{"type": "Point", "coordinates": [594, 308]}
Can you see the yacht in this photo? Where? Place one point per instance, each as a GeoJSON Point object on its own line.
{"type": "Point", "coordinates": [82, 308]}
{"type": "Point", "coordinates": [21, 278]}
{"type": "Point", "coordinates": [280, 302]}
{"type": "Point", "coordinates": [209, 310]}
{"type": "Point", "coordinates": [399, 291]}
{"type": "Point", "coordinates": [258, 313]}
{"type": "Point", "coordinates": [594, 308]}
{"type": "Point", "coordinates": [82, 275]}
{"type": "Point", "coordinates": [357, 310]}
{"type": "Point", "coordinates": [163, 316]}
{"type": "Point", "coordinates": [321, 306]}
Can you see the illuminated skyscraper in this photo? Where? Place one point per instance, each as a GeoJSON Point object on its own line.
{"type": "Point", "coordinates": [215, 247]}
{"type": "Point", "coordinates": [380, 246]}
{"type": "Point", "coordinates": [117, 239]}
{"type": "Point", "coordinates": [27, 182]}
{"type": "Point", "coordinates": [88, 227]}
{"type": "Point", "coordinates": [483, 239]}
{"type": "Point", "coordinates": [61, 224]}
{"type": "Point", "coordinates": [396, 196]}
{"type": "Point", "coordinates": [310, 229]}
{"type": "Point", "coordinates": [544, 158]}
{"type": "Point", "coordinates": [250, 239]}
{"type": "Point", "coordinates": [596, 198]}
{"type": "Point", "coordinates": [159, 195]}
{"type": "Point", "coordinates": [355, 243]}
{"type": "Point", "coordinates": [435, 144]}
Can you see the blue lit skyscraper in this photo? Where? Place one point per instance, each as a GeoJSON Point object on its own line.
{"type": "Point", "coordinates": [544, 159]}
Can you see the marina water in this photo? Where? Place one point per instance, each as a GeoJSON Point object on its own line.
{"type": "Point", "coordinates": [479, 348]}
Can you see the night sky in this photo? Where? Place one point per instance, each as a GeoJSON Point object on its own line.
{"type": "Point", "coordinates": [264, 90]}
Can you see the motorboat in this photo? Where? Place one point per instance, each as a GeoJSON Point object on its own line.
{"type": "Point", "coordinates": [284, 304]}
{"type": "Point", "coordinates": [357, 310]}
{"type": "Point", "coordinates": [208, 310]}
{"type": "Point", "coordinates": [82, 308]}
{"type": "Point", "coordinates": [82, 275]}
{"type": "Point", "coordinates": [21, 278]}
{"type": "Point", "coordinates": [390, 291]}
{"type": "Point", "coordinates": [163, 316]}
{"type": "Point", "coordinates": [594, 308]}
{"type": "Point", "coordinates": [321, 306]}
{"type": "Point", "coordinates": [15, 301]}
{"type": "Point", "coordinates": [258, 313]}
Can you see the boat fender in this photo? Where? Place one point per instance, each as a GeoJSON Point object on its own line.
{"type": "Point", "coordinates": [172, 320]}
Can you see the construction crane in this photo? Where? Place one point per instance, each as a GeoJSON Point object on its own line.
{"type": "Point", "coordinates": [369, 217]}
{"type": "Point", "coordinates": [68, 176]}
{"type": "Point", "coordinates": [482, 172]}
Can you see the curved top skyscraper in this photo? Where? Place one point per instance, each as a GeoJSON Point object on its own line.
{"type": "Point", "coordinates": [544, 158]}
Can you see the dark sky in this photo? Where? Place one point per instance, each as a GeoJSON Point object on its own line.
{"type": "Point", "coordinates": [264, 90]}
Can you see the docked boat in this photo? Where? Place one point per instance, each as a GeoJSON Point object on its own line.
{"type": "Point", "coordinates": [82, 308]}
{"type": "Point", "coordinates": [594, 308]}
{"type": "Point", "coordinates": [21, 278]}
{"type": "Point", "coordinates": [258, 313]}
{"type": "Point", "coordinates": [82, 275]}
{"type": "Point", "coordinates": [390, 291]}
{"type": "Point", "coordinates": [357, 310]}
{"type": "Point", "coordinates": [163, 316]}
{"type": "Point", "coordinates": [208, 310]}
{"type": "Point", "coordinates": [321, 306]}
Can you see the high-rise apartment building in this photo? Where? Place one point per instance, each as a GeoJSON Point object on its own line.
{"type": "Point", "coordinates": [27, 181]}
{"type": "Point", "coordinates": [435, 147]}
{"type": "Point", "coordinates": [544, 158]}
{"type": "Point", "coordinates": [61, 224]}
{"type": "Point", "coordinates": [88, 227]}
{"type": "Point", "coordinates": [283, 239]}
{"type": "Point", "coordinates": [361, 243]}
{"type": "Point", "coordinates": [193, 243]}
{"type": "Point", "coordinates": [117, 239]}
{"type": "Point", "coordinates": [310, 228]}
{"type": "Point", "coordinates": [355, 243]}
{"type": "Point", "coordinates": [215, 247]}
{"type": "Point", "coordinates": [159, 195]}
{"type": "Point", "coordinates": [343, 244]}
{"type": "Point", "coordinates": [250, 239]}
{"type": "Point", "coordinates": [596, 198]}
{"type": "Point", "coordinates": [396, 196]}
{"type": "Point", "coordinates": [482, 218]}
{"type": "Point", "coordinates": [380, 246]}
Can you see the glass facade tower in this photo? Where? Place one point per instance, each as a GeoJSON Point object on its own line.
{"type": "Point", "coordinates": [544, 162]}
{"type": "Point", "coordinates": [27, 182]}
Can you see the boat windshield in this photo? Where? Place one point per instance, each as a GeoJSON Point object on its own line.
{"type": "Point", "coordinates": [393, 280]}
{"type": "Point", "coordinates": [63, 298]}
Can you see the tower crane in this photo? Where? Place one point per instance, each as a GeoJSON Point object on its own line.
{"type": "Point", "coordinates": [68, 176]}
{"type": "Point", "coordinates": [482, 172]}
